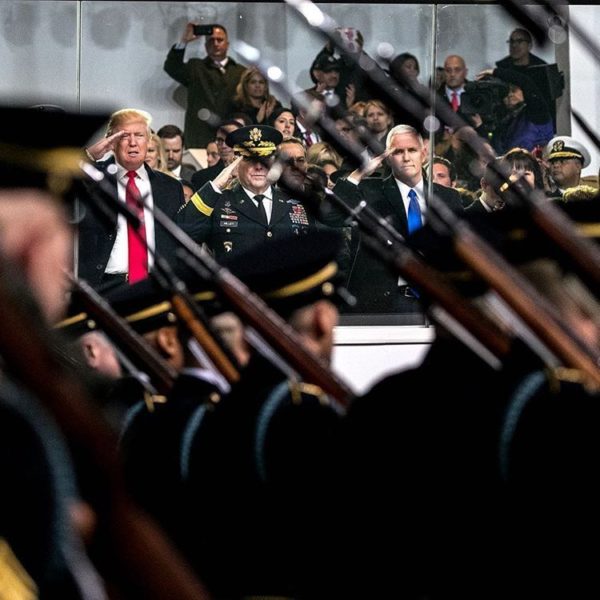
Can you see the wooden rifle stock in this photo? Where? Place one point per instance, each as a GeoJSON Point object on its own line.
{"type": "Point", "coordinates": [199, 330]}
{"type": "Point", "coordinates": [550, 220]}
{"type": "Point", "coordinates": [192, 316]}
{"type": "Point", "coordinates": [252, 309]}
{"type": "Point", "coordinates": [392, 248]}
{"type": "Point", "coordinates": [255, 312]}
{"type": "Point", "coordinates": [142, 355]}
{"type": "Point", "coordinates": [536, 312]}
{"type": "Point", "coordinates": [137, 545]}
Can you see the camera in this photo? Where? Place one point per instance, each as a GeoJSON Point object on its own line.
{"type": "Point", "coordinates": [485, 98]}
{"type": "Point", "coordinates": [203, 29]}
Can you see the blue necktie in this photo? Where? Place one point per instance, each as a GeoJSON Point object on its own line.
{"type": "Point", "coordinates": [414, 212]}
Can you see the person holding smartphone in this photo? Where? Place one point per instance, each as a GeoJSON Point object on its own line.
{"type": "Point", "coordinates": [211, 81]}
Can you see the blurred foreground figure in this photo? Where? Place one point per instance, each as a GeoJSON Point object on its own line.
{"type": "Point", "coordinates": [255, 465]}
{"type": "Point", "coordinates": [482, 479]}
{"type": "Point", "coordinates": [41, 517]}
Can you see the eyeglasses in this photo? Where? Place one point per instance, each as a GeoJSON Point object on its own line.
{"type": "Point", "coordinates": [219, 140]}
{"type": "Point", "coordinates": [517, 41]}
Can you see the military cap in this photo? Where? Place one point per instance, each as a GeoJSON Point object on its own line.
{"type": "Point", "coordinates": [294, 272]}
{"type": "Point", "coordinates": [76, 324]}
{"type": "Point", "coordinates": [326, 62]}
{"type": "Point", "coordinates": [564, 146]}
{"type": "Point", "coordinates": [51, 159]}
{"type": "Point", "coordinates": [254, 140]}
{"type": "Point", "coordinates": [146, 305]}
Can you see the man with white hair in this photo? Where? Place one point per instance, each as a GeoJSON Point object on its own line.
{"type": "Point", "coordinates": [402, 199]}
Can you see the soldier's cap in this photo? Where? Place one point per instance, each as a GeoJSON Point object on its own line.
{"type": "Point", "coordinates": [145, 306]}
{"type": "Point", "coordinates": [293, 271]}
{"type": "Point", "coordinates": [564, 146]}
{"type": "Point", "coordinates": [254, 141]}
{"type": "Point", "coordinates": [326, 62]}
{"type": "Point", "coordinates": [49, 159]}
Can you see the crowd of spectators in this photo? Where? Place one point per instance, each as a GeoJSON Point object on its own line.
{"type": "Point", "coordinates": [517, 118]}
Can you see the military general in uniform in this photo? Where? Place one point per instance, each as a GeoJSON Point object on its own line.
{"type": "Point", "coordinates": [232, 218]}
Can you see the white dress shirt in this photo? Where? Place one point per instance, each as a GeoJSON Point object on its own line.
{"type": "Point", "coordinates": [119, 257]}
{"type": "Point", "coordinates": [267, 200]}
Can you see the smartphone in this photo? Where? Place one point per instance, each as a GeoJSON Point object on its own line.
{"type": "Point", "coordinates": [203, 29]}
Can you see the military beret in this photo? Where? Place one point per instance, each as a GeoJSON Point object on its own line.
{"type": "Point", "coordinates": [567, 147]}
{"type": "Point", "coordinates": [254, 140]}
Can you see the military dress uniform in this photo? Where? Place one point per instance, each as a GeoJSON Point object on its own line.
{"type": "Point", "coordinates": [233, 221]}
{"type": "Point", "coordinates": [230, 224]}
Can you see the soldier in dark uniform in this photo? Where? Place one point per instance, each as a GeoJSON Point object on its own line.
{"type": "Point", "coordinates": [152, 428]}
{"type": "Point", "coordinates": [41, 547]}
{"type": "Point", "coordinates": [253, 212]}
{"type": "Point", "coordinates": [257, 466]}
{"type": "Point", "coordinates": [470, 470]}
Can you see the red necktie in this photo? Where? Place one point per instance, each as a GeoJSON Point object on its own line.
{"type": "Point", "coordinates": [138, 253]}
{"type": "Point", "coordinates": [307, 138]}
{"type": "Point", "coordinates": [454, 102]}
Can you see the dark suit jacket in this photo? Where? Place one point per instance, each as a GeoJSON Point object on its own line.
{"type": "Point", "coordinates": [97, 231]}
{"type": "Point", "coordinates": [208, 88]}
{"type": "Point", "coordinates": [203, 175]}
{"type": "Point", "coordinates": [371, 282]}
{"type": "Point", "coordinates": [187, 172]}
{"type": "Point", "coordinates": [230, 223]}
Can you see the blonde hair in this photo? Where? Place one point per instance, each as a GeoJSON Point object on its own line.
{"type": "Point", "coordinates": [128, 115]}
{"type": "Point", "coordinates": [241, 91]}
{"type": "Point", "coordinates": [323, 152]}
{"type": "Point", "coordinates": [161, 164]}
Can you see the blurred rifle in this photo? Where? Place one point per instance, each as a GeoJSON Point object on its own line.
{"type": "Point", "coordinates": [217, 357]}
{"type": "Point", "coordinates": [249, 307]}
{"type": "Point", "coordinates": [137, 546]}
{"type": "Point", "coordinates": [539, 315]}
{"type": "Point", "coordinates": [121, 333]}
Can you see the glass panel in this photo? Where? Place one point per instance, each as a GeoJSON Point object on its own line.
{"type": "Point", "coordinates": [38, 46]}
{"type": "Point", "coordinates": [116, 57]}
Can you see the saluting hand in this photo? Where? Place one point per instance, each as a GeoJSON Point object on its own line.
{"type": "Point", "coordinates": [224, 178]}
{"type": "Point", "coordinates": [99, 149]}
{"type": "Point", "coordinates": [371, 166]}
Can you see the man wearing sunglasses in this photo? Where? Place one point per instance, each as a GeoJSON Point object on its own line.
{"type": "Point", "coordinates": [519, 56]}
